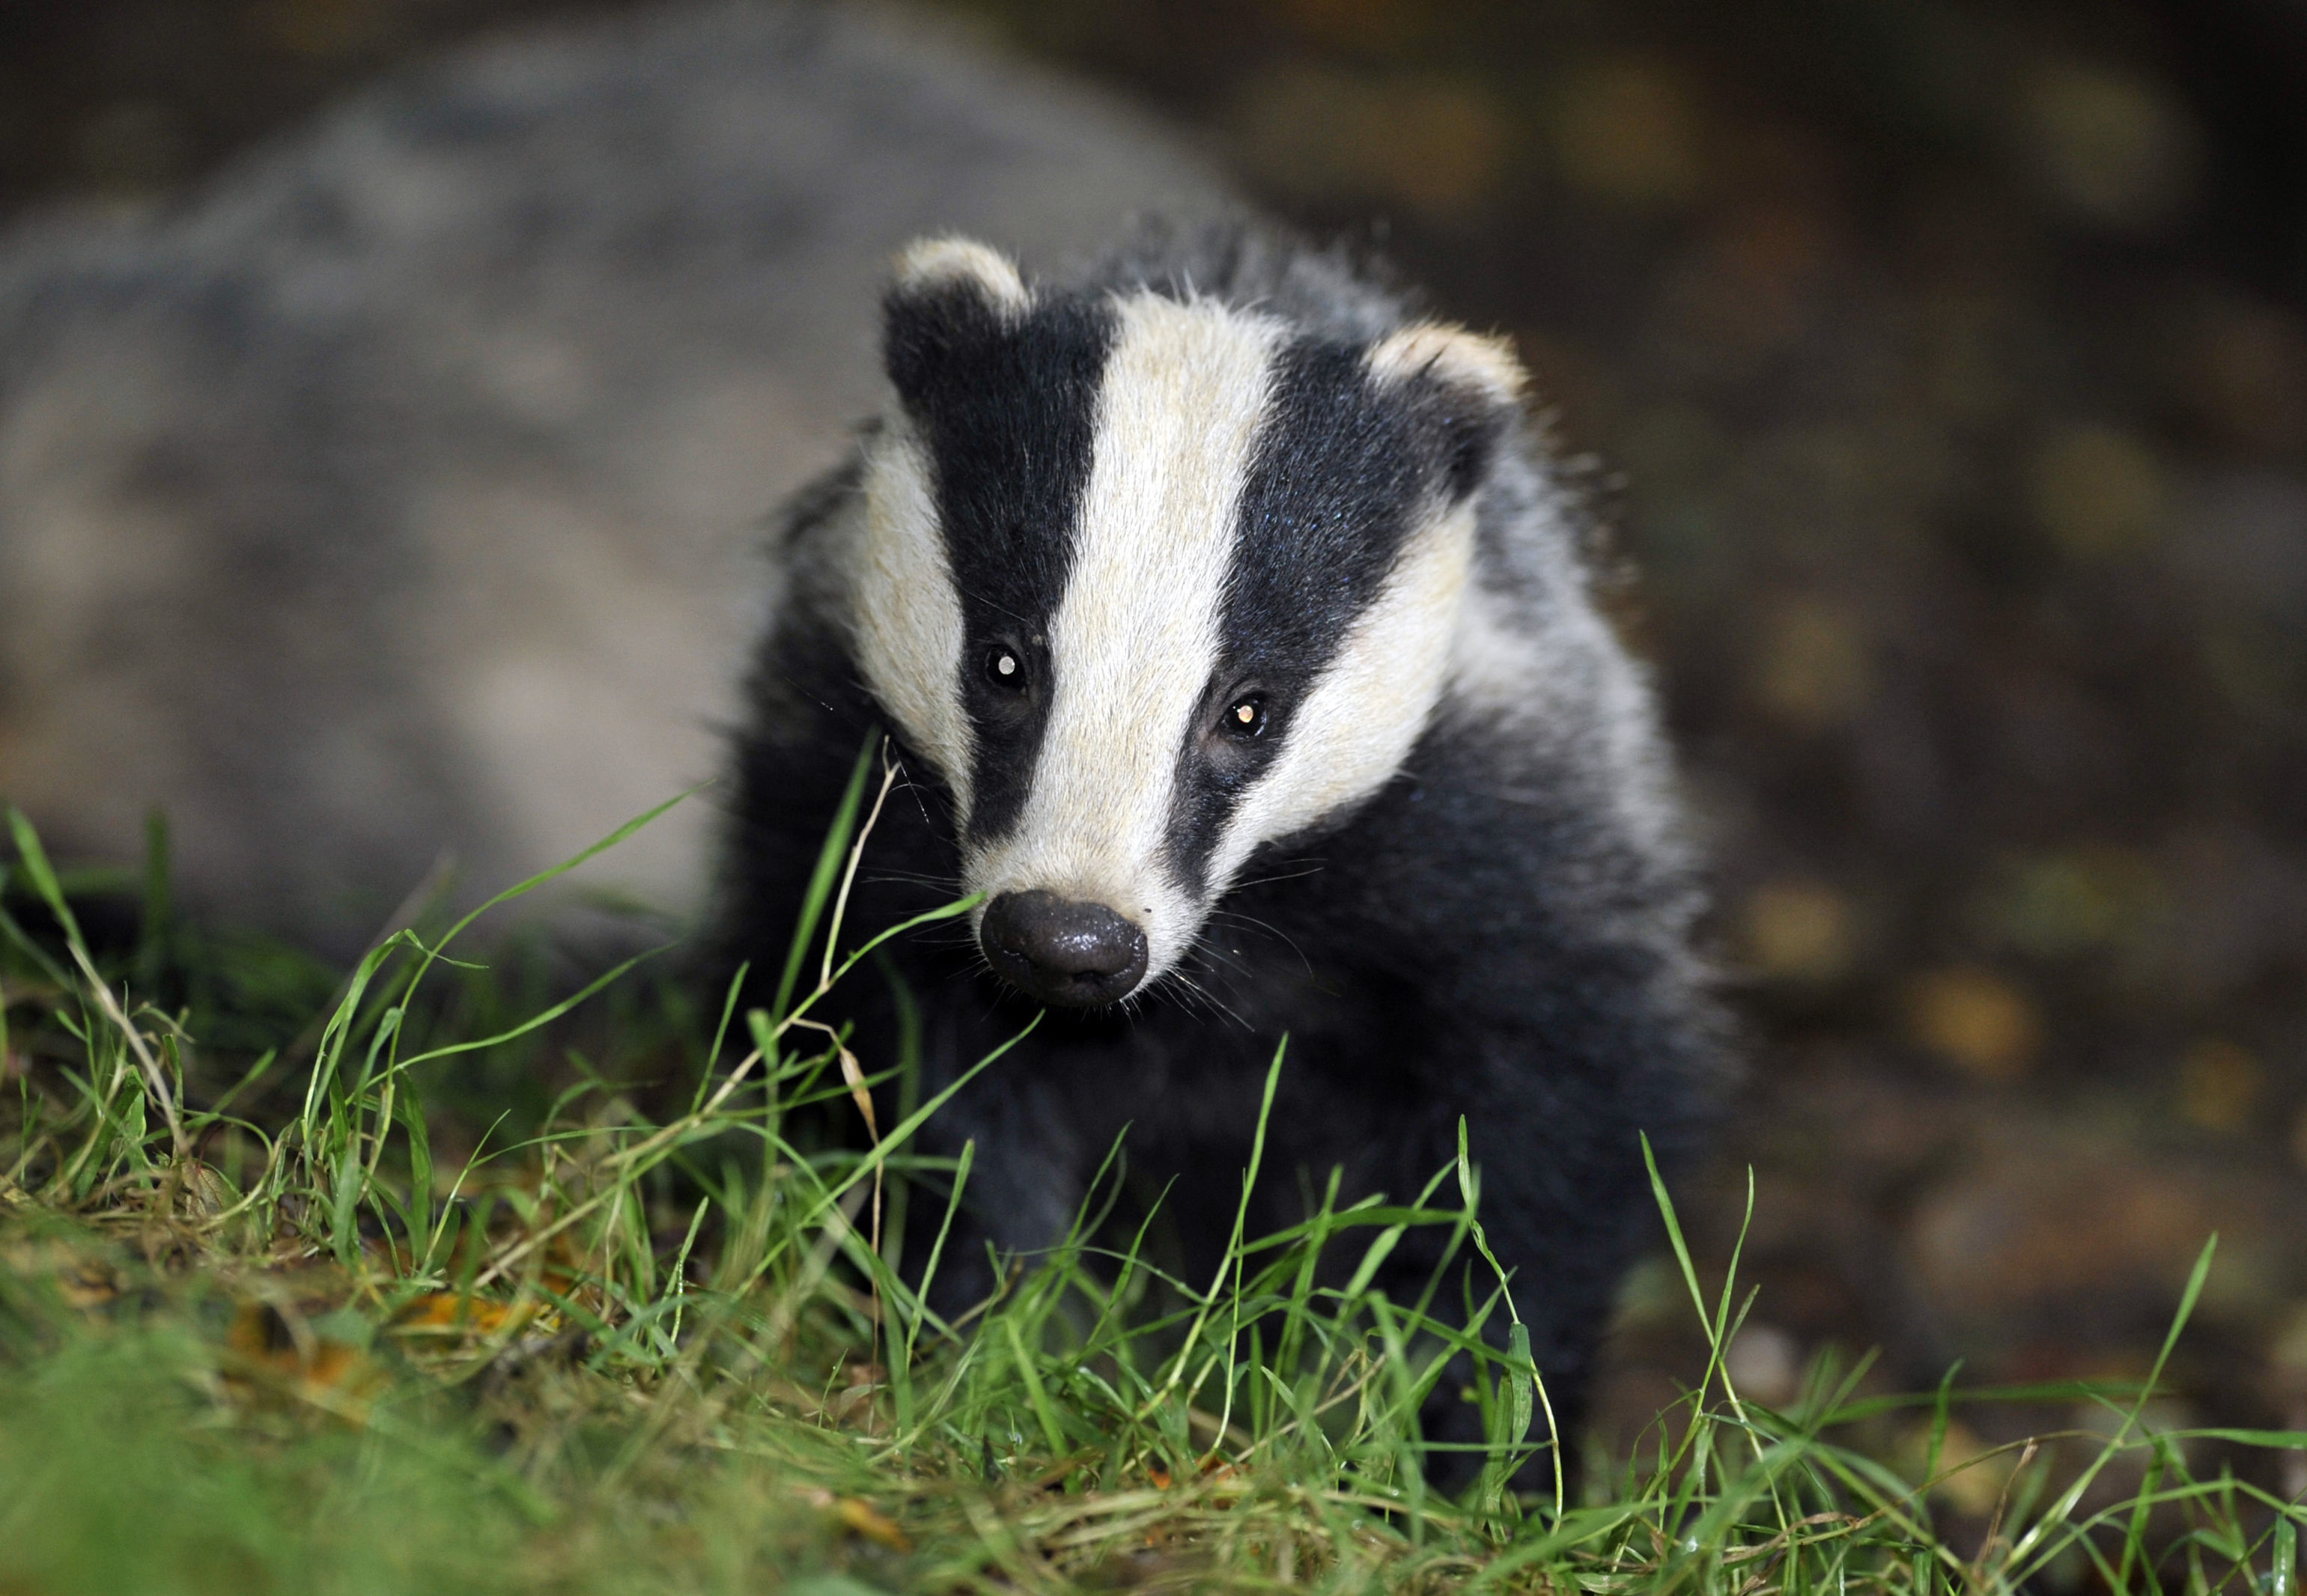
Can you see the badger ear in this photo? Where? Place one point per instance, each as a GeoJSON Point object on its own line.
{"type": "Point", "coordinates": [1478, 365]}
{"type": "Point", "coordinates": [951, 301]}
{"type": "Point", "coordinates": [1467, 387]}
{"type": "Point", "coordinates": [932, 269]}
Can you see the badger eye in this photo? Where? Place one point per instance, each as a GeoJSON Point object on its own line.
{"type": "Point", "coordinates": [1245, 717]}
{"type": "Point", "coordinates": [1005, 668]}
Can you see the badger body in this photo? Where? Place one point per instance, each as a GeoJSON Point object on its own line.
{"type": "Point", "coordinates": [1237, 640]}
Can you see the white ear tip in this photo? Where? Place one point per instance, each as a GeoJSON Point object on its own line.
{"type": "Point", "coordinates": [930, 263]}
{"type": "Point", "coordinates": [1451, 354]}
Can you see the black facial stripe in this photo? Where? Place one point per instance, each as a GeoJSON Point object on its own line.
{"type": "Point", "coordinates": [1006, 410]}
{"type": "Point", "coordinates": [1340, 470]}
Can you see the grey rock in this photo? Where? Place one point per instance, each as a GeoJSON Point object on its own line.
{"type": "Point", "coordinates": [398, 496]}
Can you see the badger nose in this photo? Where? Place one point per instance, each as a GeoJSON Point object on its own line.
{"type": "Point", "coordinates": [1073, 954]}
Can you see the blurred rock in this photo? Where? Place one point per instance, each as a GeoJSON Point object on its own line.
{"type": "Point", "coordinates": [1652, 1296]}
{"type": "Point", "coordinates": [1972, 1472]}
{"type": "Point", "coordinates": [1766, 1365]}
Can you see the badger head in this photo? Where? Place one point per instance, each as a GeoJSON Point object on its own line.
{"type": "Point", "coordinates": [1152, 582]}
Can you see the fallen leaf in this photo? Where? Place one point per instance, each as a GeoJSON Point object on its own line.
{"type": "Point", "coordinates": [1977, 1021]}
{"type": "Point", "coordinates": [861, 1518]}
{"type": "Point", "coordinates": [320, 1370]}
{"type": "Point", "coordinates": [2220, 1085]}
{"type": "Point", "coordinates": [1799, 930]}
{"type": "Point", "coordinates": [458, 1313]}
{"type": "Point", "coordinates": [88, 1285]}
{"type": "Point", "coordinates": [1225, 1481]}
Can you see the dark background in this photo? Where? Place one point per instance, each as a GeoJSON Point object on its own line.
{"type": "Point", "coordinates": [1947, 372]}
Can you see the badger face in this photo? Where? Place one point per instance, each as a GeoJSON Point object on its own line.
{"type": "Point", "coordinates": [1151, 582]}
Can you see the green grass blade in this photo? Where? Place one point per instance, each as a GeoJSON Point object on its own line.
{"type": "Point", "coordinates": [821, 878]}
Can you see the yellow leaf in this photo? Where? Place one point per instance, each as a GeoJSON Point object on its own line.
{"type": "Point", "coordinates": [861, 1518]}
{"type": "Point", "coordinates": [454, 1312]}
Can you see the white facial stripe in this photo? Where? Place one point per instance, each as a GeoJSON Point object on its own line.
{"type": "Point", "coordinates": [908, 617]}
{"type": "Point", "coordinates": [1368, 709]}
{"type": "Point", "coordinates": [1135, 635]}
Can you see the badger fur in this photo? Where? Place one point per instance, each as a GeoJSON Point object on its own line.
{"type": "Point", "coordinates": [1237, 639]}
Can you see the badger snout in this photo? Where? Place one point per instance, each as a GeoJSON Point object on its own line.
{"type": "Point", "coordinates": [1069, 953]}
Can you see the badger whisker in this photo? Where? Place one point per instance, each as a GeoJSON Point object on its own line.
{"type": "Point", "coordinates": [1194, 992]}
{"type": "Point", "coordinates": [1313, 867]}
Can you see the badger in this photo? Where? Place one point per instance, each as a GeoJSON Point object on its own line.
{"type": "Point", "coordinates": [1237, 636]}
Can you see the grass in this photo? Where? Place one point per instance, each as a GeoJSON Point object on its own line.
{"type": "Point", "coordinates": [347, 1311]}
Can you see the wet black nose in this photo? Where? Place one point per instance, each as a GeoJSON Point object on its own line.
{"type": "Point", "coordinates": [1072, 954]}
